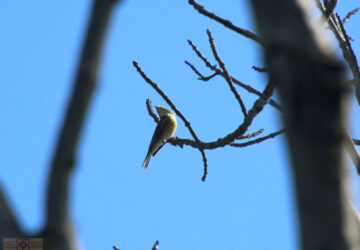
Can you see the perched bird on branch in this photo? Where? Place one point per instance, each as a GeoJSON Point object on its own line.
{"type": "Point", "coordinates": [163, 132]}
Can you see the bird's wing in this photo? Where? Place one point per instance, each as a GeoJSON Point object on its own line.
{"type": "Point", "coordinates": [157, 140]}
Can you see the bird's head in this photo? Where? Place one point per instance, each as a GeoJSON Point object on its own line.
{"type": "Point", "coordinates": [163, 111]}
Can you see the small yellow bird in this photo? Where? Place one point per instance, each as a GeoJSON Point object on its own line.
{"type": "Point", "coordinates": [163, 132]}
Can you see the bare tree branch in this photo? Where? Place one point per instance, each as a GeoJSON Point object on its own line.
{"type": "Point", "coordinates": [151, 111]}
{"type": "Point", "coordinates": [58, 231]}
{"type": "Point", "coordinates": [236, 81]}
{"type": "Point", "coordinates": [226, 73]}
{"type": "Point", "coordinates": [226, 140]}
{"type": "Point", "coordinates": [221, 142]}
{"type": "Point", "coordinates": [353, 152]}
{"type": "Point", "coordinates": [203, 178]}
{"type": "Point", "coordinates": [194, 69]}
{"type": "Point", "coordinates": [201, 77]}
{"type": "Point", "coordinates": [241, 137]}
{"type": "Point", "coordinates": [202, 57]}
{"type": "Point", "coordinates": [226, 23]}
{"type": "Point", "coordinates": [258, 140]}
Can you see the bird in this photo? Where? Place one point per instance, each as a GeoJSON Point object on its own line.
{"type": "Point", "coordinates": [163, 132]}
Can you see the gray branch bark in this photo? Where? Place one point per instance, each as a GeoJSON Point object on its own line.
{"type": "Point", "coordinates": [313, 94]}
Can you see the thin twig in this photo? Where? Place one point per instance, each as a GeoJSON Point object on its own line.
{"type": "Point", "coordinates": [226, 73]}
{"type": "Point", "coordinates": [203, 178]}
{"type": "Point", "coordinates": [151, 111]}
{"type": "Point", "coordinates": [194, 69]}
{"type": "Point", "coordinates": [350, 14]}
{"type": "Point", "coordinates": [201, 76]}
{"type": "Point", "coordinates": [247, 33]}
{"type": "Point", "coordinates": [207, 78]}
{"type": "Point", "coordinates": [258, 140]}
{"type": "Point", "coordinates": [241, 137]}
{"type": "Point", "coordinates": [202, 57]}
{"type": "Point", "coordinates": [236, 81]}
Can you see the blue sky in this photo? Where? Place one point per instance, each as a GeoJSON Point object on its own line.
{"type": "Point", "coordinates": [247, 200]}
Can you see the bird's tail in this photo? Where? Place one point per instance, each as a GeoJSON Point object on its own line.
{"type": "Point", "coordinates": [146, 161]}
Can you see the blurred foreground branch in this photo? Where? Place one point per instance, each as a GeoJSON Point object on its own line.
{"type": "Point", "coordinates": [58, 232]}
{"type": "Point", "coordinates": [313, 91]}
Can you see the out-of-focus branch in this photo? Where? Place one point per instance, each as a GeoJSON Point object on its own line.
{"type": "Point", "coordinates": [9, 226]}
{"type": "Point", "coordinates": [330, 7]}
{"type": "Point", "coordinates": [355, 212]}
{"type": "Point", "coordinates": [151, 111]}
{"type": "Point", "coordinates": [58, 233]}
{"type": "Point", "coordinates": [353, 152]}
{"type": "Point", "coordinates": [259, 69]}
{"type": "Point", "coordinates": [313, 93]}
{"type": "Point", "coordinates": [247, 33]}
